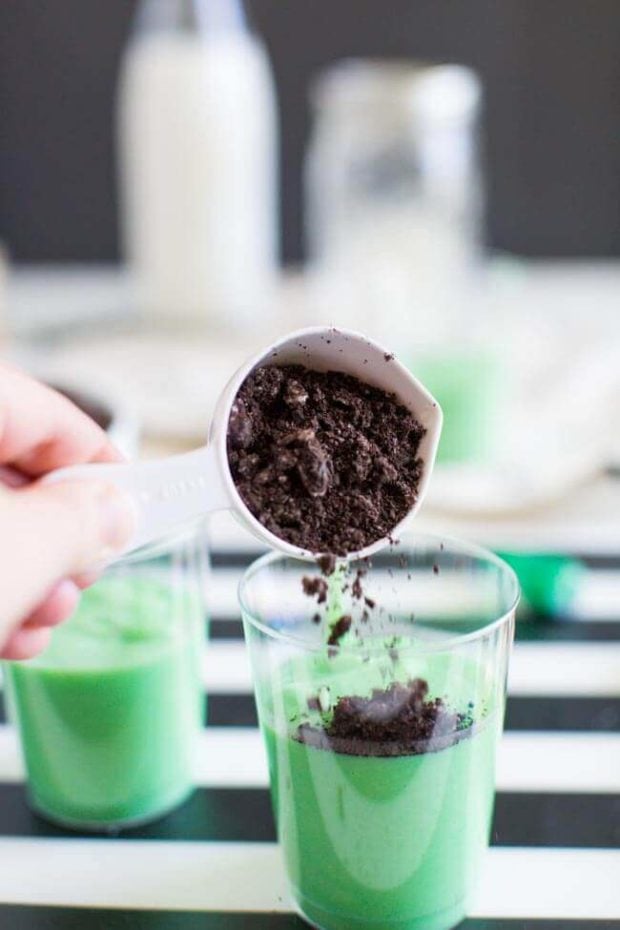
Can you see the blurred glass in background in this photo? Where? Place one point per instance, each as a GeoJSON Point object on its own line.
{"type": "Point", "coordinates": [392, 192]}
{"type": "Point", "coordinates": [393, 213]}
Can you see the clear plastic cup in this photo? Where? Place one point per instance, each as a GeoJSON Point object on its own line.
{"type": "Point", "coordinates": [383, 817]}
{"type": "Point", "coordinates": [108, 716]}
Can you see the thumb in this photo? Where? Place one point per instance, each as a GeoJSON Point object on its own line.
{"type": "Point", "coordinates": [48, 532]}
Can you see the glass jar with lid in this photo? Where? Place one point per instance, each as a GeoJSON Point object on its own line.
{"type": "Point", "coordinates": [392, 193]}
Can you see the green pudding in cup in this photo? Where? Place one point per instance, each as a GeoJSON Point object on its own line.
{"type": "Point", "coordinates": [382, 749]}
{"type": "Point", "coordinates": [108, 716]}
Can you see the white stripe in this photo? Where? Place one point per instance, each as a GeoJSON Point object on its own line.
{"type": "Point", "coordinates": [226, 667]}
{"type": "Point", "coordinates": [221, 592]}
{"type": "Point", "coordinates": [590, 529]}
{"type": "Point", "coordinates": [598, 596]}
{"type": "Point", "coordinates": [229, 757]}
{"type": "Point", "coordinates": [559, 884]}
{"type": "Point", "coordinates": [11, 763]}
{"type": "Point", "coordinates": [440, 598]}
{"type": "Point", "coordinates": [568, 669]}
{"type": "Point", "coordinates": [234, 757]}
{"type": "Point", "coordinates": [559, 762]}
{"type": "Point", "coordinates": [560, 669]}
{"type": "Point", "coordinates": [541, 668]}
{"type": "Point", "coordinates": [140, 874]}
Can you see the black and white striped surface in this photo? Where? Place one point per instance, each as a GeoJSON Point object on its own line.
{"type": "Point", "coordinates": [213, 864]}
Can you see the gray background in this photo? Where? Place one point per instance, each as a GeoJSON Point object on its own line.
{"type": "Point", "coordinates": [552, 75]}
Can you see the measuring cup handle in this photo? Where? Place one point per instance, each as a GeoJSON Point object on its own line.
{"type": "Point", "coordinates": [167, 492]}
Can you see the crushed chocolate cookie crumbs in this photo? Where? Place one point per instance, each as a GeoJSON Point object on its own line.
{"type": "Point", "coordinates": [321, 459]}
{"type": "Point", "coordinates": [338, 629]}
{"type": "Point", "coordinates": [395, 721]}
{"type": "Point", "coordinates": [370, 603]}
{"type": "Point", "coordinates": [327, 564]}
{"type": "Point", "coordinates": [356, 586]}
{"type": "Point", "coordinates": [315, 587]}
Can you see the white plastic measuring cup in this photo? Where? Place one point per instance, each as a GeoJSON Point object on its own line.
{"type": "Point", "coordinates": [171, 491]}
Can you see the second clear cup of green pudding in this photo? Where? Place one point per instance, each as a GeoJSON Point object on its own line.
{"type": "Point", "coordinates": [108, 716]}
{"type": "Point", "coordinates": [381, 692]}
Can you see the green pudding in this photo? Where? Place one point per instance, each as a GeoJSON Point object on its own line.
{"type": "Point", "coordinates": [469, 384]}
{"type": "Point", "coordinates": [109, 714]}
{"type": "Point", "coordinates": [371, 842]}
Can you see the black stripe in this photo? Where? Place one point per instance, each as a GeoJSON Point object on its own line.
{"type": "Point", "coordinates": [540, 629]}
{"type": "Point", "coordinates": [51, 918]}
{"type": "Point", "coordinates": [231, 710]}
{"type": "Point", "coordinates": [244, 815]}
{"type": "Point", "coordinates": [499, 923]}
{"type": "Point", "coordinates": [585, 820]}
{"type": "Point", "coordinates": [234, 558]}
{"type": "Point", "coordinates": [225, 628]}
{"type": "Point", "coordinates": [608, 561]}
{"type": "Point", "coordinates": [548, 714]}
{"type": "Point", "coordinates": [237, 558]}
{"type": "Point", "coordinates": [551, 713]}
{"type": "Point", "coordinates": [224, 814]}
{"type": "Point", "coordinates": [522, 713]}
{"type": "Point", "coordinates": [532, 629]}
{"type": "Point", "coordinates": [20, 917]}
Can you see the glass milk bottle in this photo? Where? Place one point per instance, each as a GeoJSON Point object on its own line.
{"type": "Point", "coordinates": [197, 148]}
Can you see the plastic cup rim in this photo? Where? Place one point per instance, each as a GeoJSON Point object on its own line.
{"type": "Point", "coordinates": [470, 549]}
{"type": "Point", "coordinates": [190, 532]}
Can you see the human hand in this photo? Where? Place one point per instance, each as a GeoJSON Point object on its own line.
{"type": "Point", "coordinates": [50, 535]}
